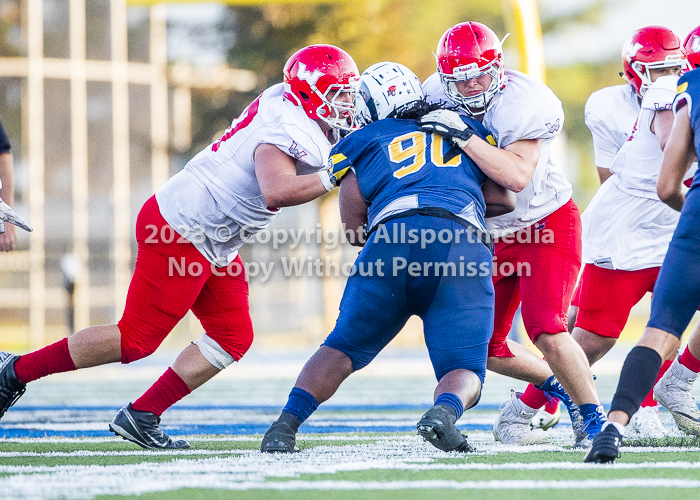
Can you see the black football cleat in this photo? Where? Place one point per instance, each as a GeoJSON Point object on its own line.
{"type": "Point", "coordinates": [11, 389]}
{"type": "Point", "coordinates": [437, 426]}
{"type": "Point", "coordinates": [279, 438]}
{"type": "Point", "coordinates": [605, 447]}
{"type": "Point", "coordinates": [141, 427]}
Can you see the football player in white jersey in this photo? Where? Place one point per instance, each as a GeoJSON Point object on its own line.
{"type": "Point", "coordinates": [676, 292]}
{"type": "Point", "coordinates": [611, 114]}
{"type": "Point", "coordinates": [188, 238]}
{"type": "Point", "coordinates": [541, 238]}
{"type": "Point", "coordinates": [692, 47]}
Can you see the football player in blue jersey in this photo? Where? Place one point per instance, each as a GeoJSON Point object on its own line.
{"type": "Point", "coordinates": [676, 294]}
{"type": "Point", "coordinates": [428, 253]}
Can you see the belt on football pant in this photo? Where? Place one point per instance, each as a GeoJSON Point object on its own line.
{"type": "Point", "coordinates": [484, 236]}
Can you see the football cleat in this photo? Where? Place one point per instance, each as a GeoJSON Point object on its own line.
{"type": "Point", "coordinates": [513, 425]}
{"type": "Point", "coordinates": [673, 391]}
{"type": "Point", "coordinates": [545, 420]}
{"type": "Point", "coordinates": [141, 427]}
{"type": "Point", "coordinates": [437, 426]}
{"type": "Point", "coordinates": [588, 427]}
{"type": "Point", "coordinates": [605, 447]}
{"type": "Point", "coordinates": [646, 424]}
{"type": "Point", "coordinates": [279, 438]}
{"type": "Point", "coordinates": [9, 215]}
{"type": "Point", "coordinates": [554, 389]}
{"type": "Point", "coordinates": [11, 389]}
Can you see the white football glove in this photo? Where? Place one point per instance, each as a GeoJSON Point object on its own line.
{"type": "Point", "coordinates": [9, 215]}
{"type": "Point", "coordinates": [448, 124]}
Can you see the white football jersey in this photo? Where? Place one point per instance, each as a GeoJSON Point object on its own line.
{"type": "Point", "coordinates": [627, 232]}
{"type": "Point", "coordinates": [215, 201]}
{"type": "Point", "coordinates": [526, 109]}
{"type": "Point", "coordinates": [638, 162]}
{"type": "Point", "coordinates": [626, 226]}
{"type": "Point", "coordinates": [610, 115]}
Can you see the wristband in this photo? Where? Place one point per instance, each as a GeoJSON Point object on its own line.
{"type": "Point", "coordinates": [461, 143]}
{"type": "Point", "coordinates": [326, 179]}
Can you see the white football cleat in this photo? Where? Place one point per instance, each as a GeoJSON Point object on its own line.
{"type": "Point", "coordinates": [545, 420]}
{"type": "Point", "coordinates": [646, 424]}
{"type": "Point", "coordinates": [513, 423]}
{"type": "Point", "coordinates": [673, 391]}
{"type": "Point", "coordinates": [9, 215]}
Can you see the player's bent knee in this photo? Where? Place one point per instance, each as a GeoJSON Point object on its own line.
{"type": "Point", "coordinates": [133, 346]}
{"type": "Point", "coordinates": [358, 358]}
{"type": "Point", "coordinates": [213, 352]}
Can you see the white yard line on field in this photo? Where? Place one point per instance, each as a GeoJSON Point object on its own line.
{"type": "Point", "coordinates": [249, 469]}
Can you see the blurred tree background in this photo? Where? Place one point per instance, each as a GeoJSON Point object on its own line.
{"type": "Point", "coordinates": [259, 39]}
{"type": "Point", "coordinates": [405, 31]}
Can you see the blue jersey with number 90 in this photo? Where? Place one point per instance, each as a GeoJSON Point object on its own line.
{"type": "Point", "coordinates": [399, 167]}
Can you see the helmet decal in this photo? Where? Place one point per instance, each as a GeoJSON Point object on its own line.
{"type": "Point", "coordinates": [691, 46]}
{"type": "Point", "coordinates": [649, 48]}
{"type": "Point", "coordinates": [467, 51]}
{"type": "Point", "coordinates": [385, 89]}
{"type": "Point", "coordinates": [322, 80]}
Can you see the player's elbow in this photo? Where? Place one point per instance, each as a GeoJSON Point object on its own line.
{"type": "Point", "coordinates": [495, 210]}
{"type": "Point", "coordinates": [278, 196]}
{"type": "Point", "coordinates": [273, 200]}
{"type": "Point", "coordinates": [666, 192]}
{"type": "Point", "coordinates": [521, 178]}
{"type": "Point", "coordinates": [518, 185]}
{"type": "Point", "coordinates": [503, 206]}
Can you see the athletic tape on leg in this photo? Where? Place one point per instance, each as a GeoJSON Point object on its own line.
{"type": "Point", "coordinates": [213, 352]}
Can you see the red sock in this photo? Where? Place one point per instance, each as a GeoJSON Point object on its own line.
{"type": "Point", "coordinates": [168, 390]}
{"type": "Point", "coordinates": [533, 397]}
{"type": "Point", "coordinates": [689, 361]}
{"type": "Point", "coordinates": [649, 400]}
{"type": "Point", "coordinates": [54, 358]}
{"type": "Point", "coordinates": [552, 406]}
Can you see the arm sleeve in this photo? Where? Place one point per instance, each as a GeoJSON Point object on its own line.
{"type": "Point", "coordinates": [545, 123]}
{"type": "Point", "coordinates": [297, 143]}
{"type": "Point", "coordinates": [660, 95]}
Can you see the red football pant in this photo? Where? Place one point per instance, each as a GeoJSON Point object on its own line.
{"type": "Point", "coordinates": [549, 254]}
{"type": "Point", "coordinates": [607, 297]}
{"type": "Point", "coordinates": [170, 278]}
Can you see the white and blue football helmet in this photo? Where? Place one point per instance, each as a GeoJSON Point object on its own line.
{"type": "Point", "coordinates": [385, 89]}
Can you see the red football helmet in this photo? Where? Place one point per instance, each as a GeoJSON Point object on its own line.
{"type": "Point", "coordinates": [466, 51]}
{"type": "Point", "coordinates": [692, 48]}
{"type": "Point", "coordinates": [651, 47]}
{"type": "Point", "coordinates": [322, 79]}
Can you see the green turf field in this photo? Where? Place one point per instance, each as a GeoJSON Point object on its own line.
{"type": "Point", "coordinates": [54, 443]}
{"type": "Point", "coordinates": [369, 465]}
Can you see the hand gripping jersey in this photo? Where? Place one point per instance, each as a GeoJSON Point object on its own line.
{"type": "Point", "coordinates": [400, 168]}
{"type": "Point", "coordinates": [215, 201]}
{"type": "Point", "coordinates": [610, 115]}
{"type": "Point", "coordinates": [626, 226]}
{"type": "Point", "coordinates": [526, 109]}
